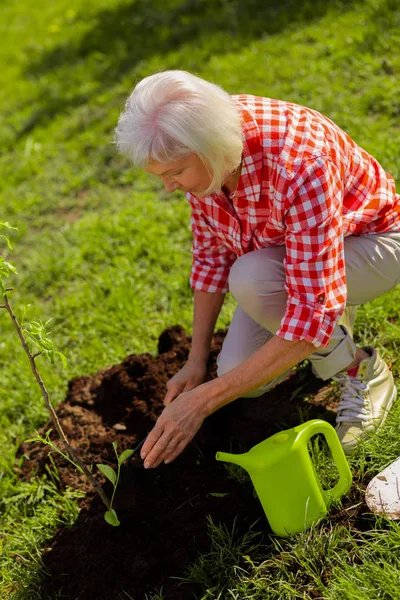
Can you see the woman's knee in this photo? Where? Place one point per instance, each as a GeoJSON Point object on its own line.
{"type": "Point", "coordinates": [226, 362]}
{"type": "Point", "coordinates": [263, 267]}
{"type": "Point", "coordinates": [372, 266]}
{"type": "Point", "coordinates": [257, 281]}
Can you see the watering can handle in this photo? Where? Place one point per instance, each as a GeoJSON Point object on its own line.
{"type": "Point", "coordinates": [345, 477]}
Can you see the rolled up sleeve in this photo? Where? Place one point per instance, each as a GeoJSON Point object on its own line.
{"type": "Point", "coordinates": [314, 262]}
{"type": "Point", "coordinates": [211, 258]}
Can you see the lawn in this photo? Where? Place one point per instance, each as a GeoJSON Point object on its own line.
{"type": "Point", "coordinates": [105, 252]}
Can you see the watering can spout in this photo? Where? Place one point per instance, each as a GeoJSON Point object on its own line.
{"type": "Point", "coordinates": [236, 459]}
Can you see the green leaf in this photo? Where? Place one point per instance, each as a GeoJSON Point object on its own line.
{"type": "Point", "coordinates": [7, 267]}
{"type": "Point", "coordinates": [218, 494]}
{"type": "Point", "coordinates": [7, 240]}
{"type": "Point", "coordinates": [108, 472]}
{"type": "Point", "coordinates": [38, 437]}
{"type": "Point", "coordinates": [7, 224]}
{"type": "Point", "coordinates": [115, 445]}
{"type": "Point", "coordinates": [111, 517]}
{"type": "Point", "coordinates": [126, 454]}
{"type": "Point", "coordinates": [10, 267]}
{"type": "Point", "coordinates": [63, 359]}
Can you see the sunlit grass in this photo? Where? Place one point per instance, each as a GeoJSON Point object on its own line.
{"type": "Point", "coordinates": [106, 253]}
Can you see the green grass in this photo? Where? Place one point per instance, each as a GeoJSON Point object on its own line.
{"type": "Point", "coordinates": [106, 253]}
{"type": "Point", "coordinates": [30, 511]}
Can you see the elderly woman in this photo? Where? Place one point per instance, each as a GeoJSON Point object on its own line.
{"type": "Point", "coordinates": [292, 217]}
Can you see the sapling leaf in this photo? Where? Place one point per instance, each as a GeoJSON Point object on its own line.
{"type": "Point", "coordinates": [115, 445]}
{"type": "Point", "coordinates": [37, 337]}
{"type": "Point", "coordinates": [7, 267]}
{"type": "Point", "coordinates": [111, 517]}
{"type": "Point", "coordinates": [23, 315]}
{"type": "Point", "coordinates": [7, 240]}
{"type": "Point", "coordinates": [7, 224]}
{"type": "Point", "coordinates": [218, 494]}
{"type": "Point", "coordinates": [63, 359]}
{"type": "Point", "coordinates": [39, 438]}
{"type": "Point", "coordinates": [126, 454]}
{"type": "Point", "coordinates": [108, 472]}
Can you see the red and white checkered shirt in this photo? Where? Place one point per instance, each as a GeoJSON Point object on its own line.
{"type": "Point", "coordinates": [304, 184]}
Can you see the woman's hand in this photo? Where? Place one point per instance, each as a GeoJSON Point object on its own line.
{"type": "Point", "coordinates": [175, 428]}
{"type": "Point", "coordinates": [189, 377]}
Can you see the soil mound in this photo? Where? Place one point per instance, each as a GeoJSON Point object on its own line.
{"type": "Point", "coordinates": [163, 511]}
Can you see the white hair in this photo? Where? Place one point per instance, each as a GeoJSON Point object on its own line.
{"type": "Point", "coordinates": [174, 113]}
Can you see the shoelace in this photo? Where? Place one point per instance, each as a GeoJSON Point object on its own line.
{"type": "Point", "coordinates": [352, 405]}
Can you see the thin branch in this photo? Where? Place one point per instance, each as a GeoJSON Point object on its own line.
{"type": "Point", "coordinates": [70, 449]}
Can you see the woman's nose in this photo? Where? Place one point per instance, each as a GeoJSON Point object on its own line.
{"type": "Point", "coordinates": [170, 186]}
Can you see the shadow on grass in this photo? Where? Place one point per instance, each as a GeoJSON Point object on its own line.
{"type": "Point", "coordinates": [123, 38]}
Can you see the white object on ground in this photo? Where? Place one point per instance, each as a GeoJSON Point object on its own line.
{"type": "Point", "coordinates": [383, 492]}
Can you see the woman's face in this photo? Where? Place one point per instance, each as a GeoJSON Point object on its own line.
{"type": "Point", "coordinates": [187, 174]}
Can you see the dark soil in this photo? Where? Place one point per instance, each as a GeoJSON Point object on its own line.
{"type": "Point", "coordinates": [163, 511]}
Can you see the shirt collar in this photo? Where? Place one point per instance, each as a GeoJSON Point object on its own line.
{"type": "Point", "coordinates": [249, 185]}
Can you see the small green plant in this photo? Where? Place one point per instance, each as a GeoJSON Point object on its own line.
{"type": "Point", "coordinates": [111, 516]}
{"type": "Point", "coordinates": [35, 340]}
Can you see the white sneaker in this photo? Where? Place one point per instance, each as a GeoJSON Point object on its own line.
{"type": "Point", "coordinates": [366, 398]}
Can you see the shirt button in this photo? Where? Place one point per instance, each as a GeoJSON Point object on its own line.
{"type": "Point", "coordinates": [320, 299]}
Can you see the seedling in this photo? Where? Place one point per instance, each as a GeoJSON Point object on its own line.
{"type": "Point", "coordinates": [35, 340]}
{"type": "Point", "coordinates": [110, 515]}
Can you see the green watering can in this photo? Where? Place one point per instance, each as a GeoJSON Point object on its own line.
{"type": "Point", "coordinates": [285, 478]}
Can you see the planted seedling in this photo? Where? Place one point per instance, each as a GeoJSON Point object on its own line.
{"type": "Point", "coordinates": [110, 515]}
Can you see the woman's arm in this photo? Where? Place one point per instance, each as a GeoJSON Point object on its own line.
{"type": "Point", "coordinates": [180, 420]}
{"type": "Point", "coordinates": [271, 360]}
{"type": "Point", "coordinates": [207, 306]}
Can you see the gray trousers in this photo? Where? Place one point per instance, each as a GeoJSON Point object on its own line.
{"type": "Point", "coordinates": [257, 278]}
